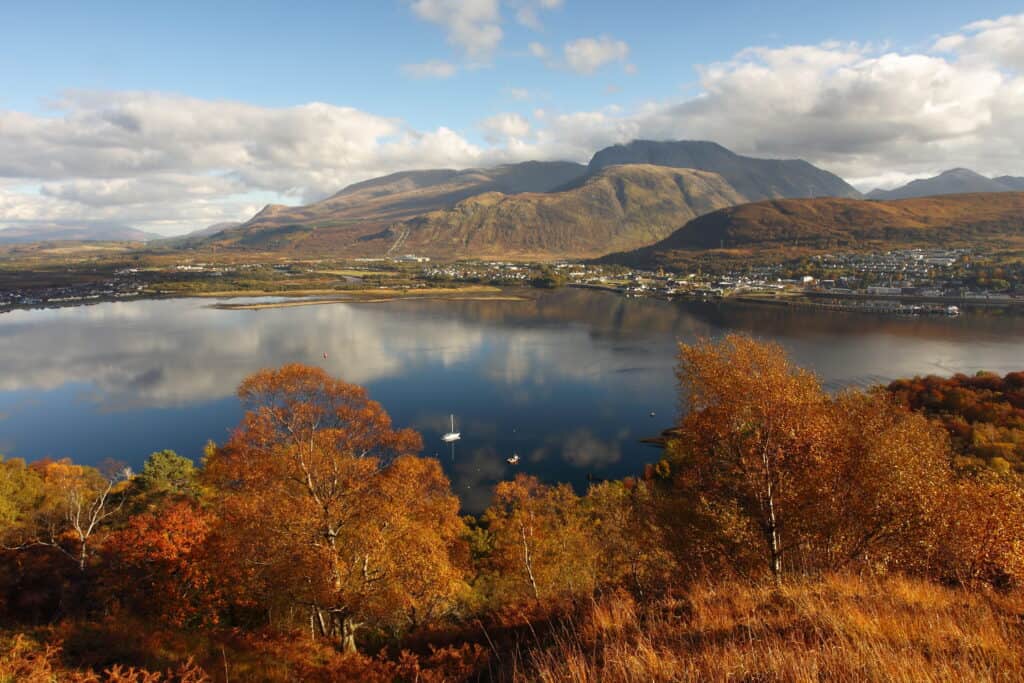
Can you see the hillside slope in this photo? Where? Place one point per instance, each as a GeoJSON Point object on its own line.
{"type": "Point", "coordinates": [337, 223]}
{"type": "Point", "coordinates": [754, 178]}
{"type": "Point", "coordinates": [777, 228]}
{"type": "Point", "coordinates": [621, 207]}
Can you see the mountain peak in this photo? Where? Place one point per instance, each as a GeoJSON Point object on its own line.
{"type": "Point", "coordinates": [960, 172]}
{"type": "Point", "coordinates": [755, 178]}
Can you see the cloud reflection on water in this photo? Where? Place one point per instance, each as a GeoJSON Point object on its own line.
{"type": "Point", "coordinates": [566, 379]}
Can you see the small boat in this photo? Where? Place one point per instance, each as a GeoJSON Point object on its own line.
{"type": "Point", "coordinates": [453, 435]}
{"type": "Point", "coordinates": [514, 460]}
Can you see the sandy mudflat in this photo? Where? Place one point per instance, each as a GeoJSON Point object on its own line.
{"type": "Point", "coordinates": [382, 296]}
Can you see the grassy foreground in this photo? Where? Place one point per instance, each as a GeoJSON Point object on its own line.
{"type": "Point", "coordinates": [836, 628]}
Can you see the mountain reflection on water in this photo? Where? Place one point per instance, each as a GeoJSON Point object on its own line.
{"type": "Point", "coordinates": [567, 379]}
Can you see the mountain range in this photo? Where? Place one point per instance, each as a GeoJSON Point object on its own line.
{"type": "Point", "coordinates": [953, 181]}
{"type": "Point", "coordinates": [625, 198]}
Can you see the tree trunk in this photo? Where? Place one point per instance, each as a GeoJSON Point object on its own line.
{"type": "Point", "coordinates": [771, 523]}
{"type": "Point", "coordinates": [772, 533]}
{"type": "Point", "coordinates": [348, 634]}
{"type": "Point", "coordinates": [529, 563]}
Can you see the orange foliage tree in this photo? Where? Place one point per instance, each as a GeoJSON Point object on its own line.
{"type": "Point", "coordinates": [766, 459]}
{"type": "Point", "coordinates": [328, 508]}
{"type": "Point", "coordinates": [757, 429]}
{"type": "Point", "coordinates": [158, 566]}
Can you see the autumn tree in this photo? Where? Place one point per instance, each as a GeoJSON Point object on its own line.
{"type": "Point", "coordinates": [158, 565]}
{"type": "Point", "coordinates": [880, 494]}
{"type": "Point", "coordinates": [630, 540]}
{"type": "Point", "coordinates": [21, 490]}
{"type": "Point", "coordinates": [330, 509]}
{"type": "Point", "coordinates": [543, 545]}
{"type": "Point", "coordinates": [77, 503]}
{"type": "Point", "coordinates": [979, 537]}
{"type": "Point", "coordinates": [756, 430]}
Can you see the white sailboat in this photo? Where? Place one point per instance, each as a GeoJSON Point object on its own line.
{"type": "Point", "coordinates": [453, 435]}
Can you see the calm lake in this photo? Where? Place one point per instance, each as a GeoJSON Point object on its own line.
{"type": "Point", "coordinates": [567, 379]}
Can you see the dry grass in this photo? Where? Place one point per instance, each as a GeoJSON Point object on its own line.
{"type": "Point", "coordinates": [840, 628]}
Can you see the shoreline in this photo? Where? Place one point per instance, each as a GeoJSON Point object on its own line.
{"type": "Point", "coordinates": [362, 300]}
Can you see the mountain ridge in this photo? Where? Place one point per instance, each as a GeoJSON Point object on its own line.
{"type": "Point", "coordinates": [950, 181]}
{"type": "Point", "coordinates": [755, 178]}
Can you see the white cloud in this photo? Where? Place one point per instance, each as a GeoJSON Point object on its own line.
{"type": "Point", "coordinates": [538, 50]}
{"type": "Point", "coordinates": [999, 41]}
{"type": "Point", "coordinates": [856, 112]}
{"type": "Point", "coordinates": [174, 163]}
{"type": "Point", "coordinates": [471, 25]}
{"type": "Point", "coordinates": [518, 93]}
{"type": "Point", "coordinates": [501, 127]}
{"type": "Point", "coordinates": [587, 55]}
{"type": "Point", "coordinates": [432, 69]}
{"type": "Point", "coordinates": [528, 11]}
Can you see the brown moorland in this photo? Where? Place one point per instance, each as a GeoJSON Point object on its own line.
{"type": "Point", "coordinates": [795, 227]}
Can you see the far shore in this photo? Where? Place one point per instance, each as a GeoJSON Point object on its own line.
{"type": "Point", "coordinates": [369, 296]}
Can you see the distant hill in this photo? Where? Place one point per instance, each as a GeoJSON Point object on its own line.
{"type": "Point", "coordinates": [755, 179]}
{"type": "Point", "coordinates": [1014, 183]}
{"type": "Point", "coordinates": [953, 181]}
{"type": "Point", "coordinates": [620, 207]}
{"type": "Point", "coordinates": [56, 233]}
{"type": "Point", "coordinates": [213, 229]}
{"type": "Point", "coordinates": [194, 238]}
{"type": "Point", "coordinates": [777, 228]}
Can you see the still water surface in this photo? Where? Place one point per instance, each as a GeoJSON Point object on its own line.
{"type": "Point", "coordinates": [566, 379]}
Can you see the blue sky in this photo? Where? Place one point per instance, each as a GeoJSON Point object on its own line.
{"type": "Point", "coordinates": [352, 53]}
{"type": "Point", "coordinates": [609, 70]}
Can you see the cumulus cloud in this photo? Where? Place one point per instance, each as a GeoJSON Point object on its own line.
{"type": "Point", "coordinates": [500, 127]}
{"type": "Point", "coordinates": [471, 25]}
{"type": "Point", "coordinates": [587, 55]}
{"type": "Point", "coordinates": [538, 50]}
{"type": "Point", "coordinates": [151, 157]}
{"type": "Point", "coordinates": [1000, 41]}
{"type": "Point", "coordinates": [435, 68]}
{"type": "Point", "coordinates": [859, 113]}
